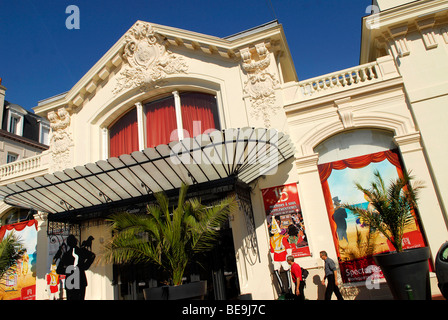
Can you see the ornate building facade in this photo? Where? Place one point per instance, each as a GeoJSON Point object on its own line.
{"type": "Point", "coordinates": [165, 105]}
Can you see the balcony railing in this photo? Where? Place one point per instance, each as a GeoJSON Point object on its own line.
{"type": "Point", "coordinates": [20, 168]}
{"type": "Point", "coordinates": [341, 80]}
{"type": "Point", "coordinates": [383, 68]}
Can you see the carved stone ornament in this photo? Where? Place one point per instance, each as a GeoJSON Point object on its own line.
{"type": "Point", "coordinates": [60, 139]}
{"type": "Point", "coordinates": [146, 59]}
{"type": "Point", "coordinates": [260, 84]}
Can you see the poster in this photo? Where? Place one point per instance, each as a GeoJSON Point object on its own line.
{"type": "Point", "coordinates": [285, 222]}
{"type": "Point", "coordinates": [350, 235]}
{"type": "Point", "coordinates": [19, 283]}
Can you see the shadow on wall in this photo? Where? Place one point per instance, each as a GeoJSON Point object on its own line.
{"type": "Point", "coordinates": [317, 280]}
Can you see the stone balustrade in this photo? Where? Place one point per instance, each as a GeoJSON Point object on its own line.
{"type": "Point", "coordinates": [31, 166]}
{"type": "Point", "coordinates": [341, 80]}
{"type": "Point", "coordinates": [381, 69]}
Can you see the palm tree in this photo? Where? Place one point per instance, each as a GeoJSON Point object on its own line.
{"type": "Point", "coordinates": [169, 239]}
{"type": "Point", "coordinates": [392, 206]}
{"type": "Point", "coordinates": [10, 252]}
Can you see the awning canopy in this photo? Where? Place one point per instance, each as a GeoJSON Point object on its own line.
{"type": "Point", "coordinates": [243, 153]}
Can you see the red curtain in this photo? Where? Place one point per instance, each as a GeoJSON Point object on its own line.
{"type": "Point", "coordinates": [17, 226]}
{"type": "Point", "coordinates": [124, 135]}
{"type": "Point", "coordinates": [160, 122]}
{"type": "Point", "coordinates": [354, 163]}
{"type": "Point", "coordinates": [199, 113]}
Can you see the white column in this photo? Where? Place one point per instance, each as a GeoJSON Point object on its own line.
{"type": "Point", "coordinates": [140, 126]}
{"type": "Point", "coordinates": [314, 209]}
{"type": "Point", "coordinates": [42, 256]}
{"type": "Point", "coordinates": [105, 138]}
{"type": "Point", "coordinates": [180, 128]}
{"type": "Point", "coordinates": [428, 204]}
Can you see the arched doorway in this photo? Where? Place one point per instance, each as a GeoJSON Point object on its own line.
{"type": "Point", "coordinates": [353, 157]}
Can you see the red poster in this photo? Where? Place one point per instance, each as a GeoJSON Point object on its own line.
{"type": "Point", "coordinates": [285, 222]}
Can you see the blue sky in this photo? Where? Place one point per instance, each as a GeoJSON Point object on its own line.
{"type": "Point", "coordinates": [40, 57]}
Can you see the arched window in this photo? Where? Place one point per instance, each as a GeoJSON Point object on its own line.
{"type": "Point", "coordinates": [171, 118]}
{"type": "Point", "coordinates": [15, 215]}
{"type": "Point", "coordinates": [199, 113]}
{"type": "Point", "coordinates": [123, 135]}
{"type": "Point", "coordinates": [161, 121]}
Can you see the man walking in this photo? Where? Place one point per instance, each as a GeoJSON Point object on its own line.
{"type": "Point", "coordinates": [296, 274]}
{"type": "Point", "coordinates": [331, 276]}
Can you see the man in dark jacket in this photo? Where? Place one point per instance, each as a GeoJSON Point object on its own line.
{"type": "Point", "coordinates": [73, 264]}
{"type": "Point", "coordinates": [331, 276]}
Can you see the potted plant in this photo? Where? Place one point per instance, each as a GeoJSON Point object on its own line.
{"type": "Point", "coordinates": [406, 271]}
{"type": "Point", "coordinates": [171, 239]}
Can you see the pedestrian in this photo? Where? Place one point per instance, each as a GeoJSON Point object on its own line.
{"type": "Point", "coordinates": [296, 274]}
{"type": "Point", "coordinates": [331, 276]}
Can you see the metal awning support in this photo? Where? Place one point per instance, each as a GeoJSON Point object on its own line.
{"type": "Point", "coordinates": [243, 153]}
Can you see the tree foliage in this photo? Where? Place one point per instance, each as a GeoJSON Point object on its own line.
{"type": "Point", "coordinates": [169, 238]}
{"type": "Point", "coordinates": [392, 206]}
{"type": "Point", "coordinates": [10, 252]}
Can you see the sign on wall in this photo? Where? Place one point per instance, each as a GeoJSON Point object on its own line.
{"type": "Point", "coordinates": [285, 222]}
{"type": "Point", "coordinates": [354, 244]}
{"type": "Point", "coordinates": [19, 283]}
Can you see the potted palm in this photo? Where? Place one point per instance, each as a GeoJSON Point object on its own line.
{"type": "Point", "coordinates": [170, 239]}
{"type": "Point", "coordinates": [406, 271]}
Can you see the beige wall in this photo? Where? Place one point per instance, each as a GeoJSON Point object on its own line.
{"type": "Point", "coordinates": [397, 97]}
{"type": "Point", "coordinates": [416, 36]}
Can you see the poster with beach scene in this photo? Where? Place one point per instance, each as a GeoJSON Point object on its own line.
{"type": "Point", "coordinates": [355, 242]}
{"type": "Point", "coordinates": [19, 282]}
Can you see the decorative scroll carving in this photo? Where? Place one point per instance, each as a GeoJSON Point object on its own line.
{"type": "Point", "coordinates": [146, 59]}
{"type": "Point", "coordinates": [261, 84]}
{"type": "Point", "coordinates": [60, 139]}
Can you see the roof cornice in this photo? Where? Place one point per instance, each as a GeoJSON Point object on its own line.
{"type": "Point", "coordinates": [404, 15]}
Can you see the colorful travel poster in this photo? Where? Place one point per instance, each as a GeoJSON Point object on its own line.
{"type": "Point", "coordinates": [19, 283]}
{"type": "Point", "coordinates": [354, 243]}
{"type": "Point", "coordinates": [285, 222]}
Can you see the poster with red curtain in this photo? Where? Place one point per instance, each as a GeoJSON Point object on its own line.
{"type": "Point", "coordinates": [199, 113]}
{"type": "Point", "coordinates": [19, 282]}
{"type": "Point", "coordinates": [285, 221]}
{"type": "Point", "coordinates": [349, 234]}
{"type": "Point", "coordinates": [161, 125]}
{"type": "Point", "coordinates": [123, 135]}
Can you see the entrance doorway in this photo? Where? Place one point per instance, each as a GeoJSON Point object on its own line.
{"type": "Point", "coordinates": [218, 267]}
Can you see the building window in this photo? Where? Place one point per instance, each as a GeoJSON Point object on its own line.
{"type": "Point", "coordinates": [16, 215]}
{"type": "Point", "coordinates": [123, 135]}
{"type": "Point", "coordinates": [172, 118]}
{"type": "Point", "coordinates": [14, 124]}
{"type": "Point", "coordinates": [44, 136]}
{"type": "Point", "coordinates": [11, 157]}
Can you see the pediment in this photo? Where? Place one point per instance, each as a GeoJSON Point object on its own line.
{"type": "Point", "coordinates": [144, 55]}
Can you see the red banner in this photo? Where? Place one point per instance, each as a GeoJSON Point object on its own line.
{"type": "Point", "coordinates": [285, 222]}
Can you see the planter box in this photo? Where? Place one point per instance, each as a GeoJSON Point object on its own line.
{"type": "Point", "coordinates": [404, 270]}
{"type": "Point", "coordinates": [193, 290]}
